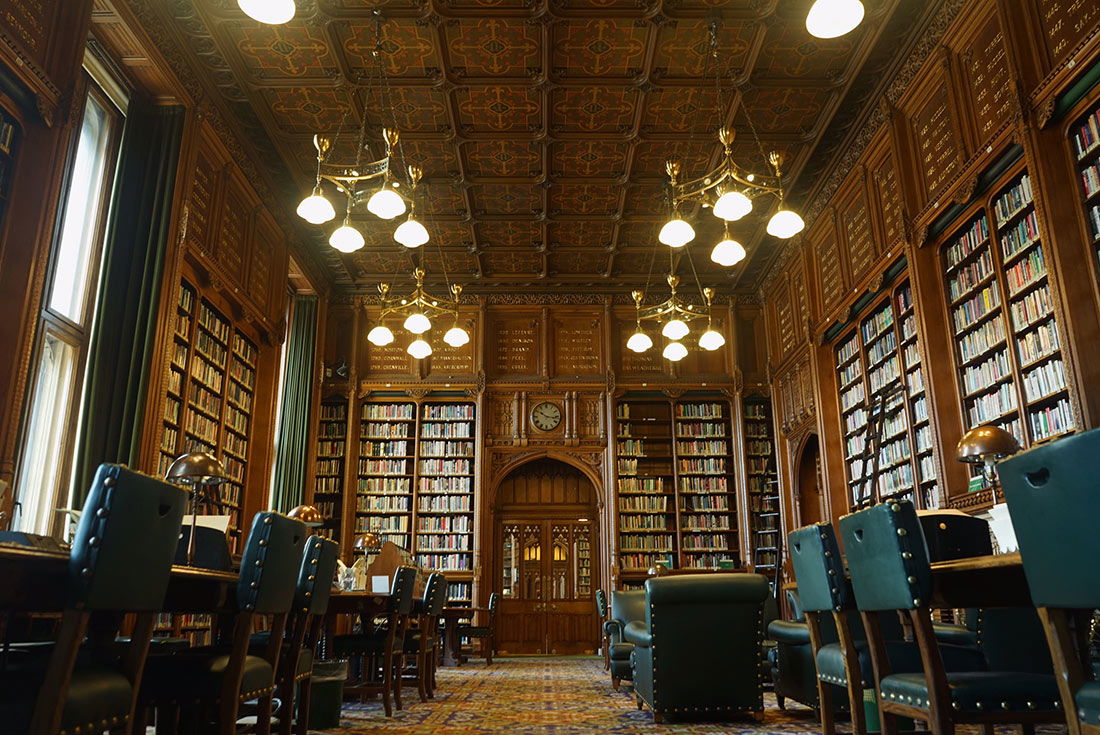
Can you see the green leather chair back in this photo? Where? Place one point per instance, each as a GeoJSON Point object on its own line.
{"type": "Point", "coordinates": [1052, 493]}
{"type": "Point", "coordinates": [270, 564]}
{"type": "Point", "coordinates": [886, 557]}
{"type": "Point", "coordinates": [401, 590]}
{"type": "Point", "coordinates": [819, 569]}
{"type": "Point", "coordinates": [435, 595]}
{"type": "Point", "coordinates": [316, 575]}
{"type": "Point", "coordinates": [601, 604]}
{"type": "Point", "coordinates": [627, 605]}
{"type": "Point", "coordinates": [122, 552]}
{"type": "Point", "coordinates": [494, 600]}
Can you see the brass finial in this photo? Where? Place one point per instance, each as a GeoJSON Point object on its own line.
{"type": "Point", "coordinates": [673, 169]}
{"type": "Point", "coordinates": [637, 295]}
{"type": "Point", "coordinates": [415, 174]}
{"type": "Point", "coordinates": [726, 136]}
{"type": "Point", "coordinates": [323, 144]}
{"type": "Point", "coordinates": [456, 289]}
{"type": "Point", "coordinates": [391, 137]}
{"type": "Point", "coordinates": [708, 294]}
{"type": "Point", "coordinates": [775, 158]}
{"type": "Point", "coordinates": [418, 274]}
{"type": "Point", "coordinates": [384, 289]}
{"type": "Point", "coordinates": [673, 281]}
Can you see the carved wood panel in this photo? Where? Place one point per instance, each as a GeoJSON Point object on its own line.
{"type": "Point", "coordinates": [830, 270]}
{"type": "Point", "coordinates": [514, 345]}
{"type": "Point", "coordinates": [1066, 23]}
{"type": "Point", "coordinates": [268, 238]}
{"type": "Point", "coordinates": [205, 177]}
{"type": "Point", "coordinates": [785, 320]}
{"type": "Point", "coordinates": [577, 345]}
{"type": "Point", "coordinates": [453, 362]}
{"type": "Point", "coordinates": [856, 221]}
{"type": "Point", "coordinates": [939, 150]}
{"type": "Point", "coordinates": [233, 228]}
{"type": "Point", "coordinates": [985, 66]}
{"type": "Point", "coordinates": [888, 199]}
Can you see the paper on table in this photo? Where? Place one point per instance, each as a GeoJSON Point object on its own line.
{"type": "Point", "coordinates": [379, 584]}
{"type": "Point", "coordinates": [220, 523]}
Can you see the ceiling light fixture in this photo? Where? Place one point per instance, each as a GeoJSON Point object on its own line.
{"type": "Point", "coordinates": [272, 12]}
{"type": "Point", "coordinates": [417, 310]}
{"type": "Point", "coordinates": [834, 18]}
{"type": "Point", "coordinates": [674, 315]}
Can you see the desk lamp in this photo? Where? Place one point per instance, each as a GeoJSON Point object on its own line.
{"type": "Point", "coordinates": [197, 471]}
{"type": "Point", "coordinates": [367, 542]}
{"type": "Point", "coordinates": [985, 446]}
{"type": "Point", "coordinates": [308, 515]}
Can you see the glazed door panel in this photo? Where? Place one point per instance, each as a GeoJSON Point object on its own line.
{"type": "Point", "coordinates": [547, 588]}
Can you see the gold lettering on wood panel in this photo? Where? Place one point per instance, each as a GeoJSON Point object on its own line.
{"type": "Point", "coordinates": [1067, 23]}
{"type": "Point", "coordinates": [633, 363]}
{"type": "Point", "coordinates": [937, 142]}
{"type": "Point", "coordinates": [198, 208]}
{"type": "Point", "coordinates": [259, 273]}
{"type": "Point", "coordinates": [986, 66]}
{"type": "Point", "coordinates": [29, 22]}
{"type": "Point", "coordinates": [889, 201]}
{"type": "Point", "coordinates": [391, 359]}
{"type": "Point", "coordinates": [576, 347]}
{"type": "Point", "coordinates": [447, 361]}
{"type": "Point", "coordinates": [516, 347]}
{"type": "Point", "coordinates": [784, 318]}
{"type": "Point", "coordinates": [828, 265]}
{"type": "Point", "coordinates": [231, 240]}
{"type": "Point", "coordinates": [861, 243]}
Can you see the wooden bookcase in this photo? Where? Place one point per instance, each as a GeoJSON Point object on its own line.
{"type": "Point", "coordinates": [384, 490]}
{"type": "Point", "coordinates": [210, 397]}
{"type": "Point", "coordinates": [762, 491]}
{"type": "Point", "coordinates": [675, 483]}
{"type": "Point", "coordinates": [881, 361]}
{"type": "Point", "coordinates": [1084, 139]}
{"type": "Point", "coordinates": [328, 475]}
{"type": "Point", "coordinates": [705, 485]}
{"type": "Point", "coordinates": [644, 485]}
{"type": "Point", "coordinates": [1008, 356]}
{"type": "Point", "coordinates": [445, 487]}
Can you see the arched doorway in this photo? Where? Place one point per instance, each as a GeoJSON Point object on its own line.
{"type": "Point", "coordinates": [545, 559]}
{"type": "Point", "coordinates": [809, 482]}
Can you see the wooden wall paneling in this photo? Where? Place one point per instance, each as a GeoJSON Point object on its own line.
{"type": "Point", "coordinates": [829, 261]}
{"type": "Point", "coordinates": [1069, 31]}
{"type": "Point", "coordinates": [234, 226]}
{"type": "Point", "coordinates": [514, 347]}
{"type": "Point", "coordinates": [204, 198]}
{"type": "Point", "coordinates": [576, 343]}
{"type": "Point", "coordinates": [267, 244]}
{"type": "Point", "coordinates": [457, 363]}
{"type": "Point", "coordinates": [749, 350]}
{"type": "Point", "coordinates": [855, 226]}
{"type": "Point", "coordinates": [786, 328]}
{"type": "Point", "coordinates": [636, 366]}
{"type": "Point", "coordinates": [886, 197]}
{"type": "Point", "coordinates": [389, 362]}
{"type": "Point", "coordinates": [987, 77]}
{"type": "Point", "coordinates": [701, 365]}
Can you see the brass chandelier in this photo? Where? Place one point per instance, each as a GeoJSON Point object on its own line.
{"type": "Point", "coordinates": [675, 314]}
{"type": "Point", "coordinates": [417, 309]}
{"type": "Point", "coordinates": [358, 181]}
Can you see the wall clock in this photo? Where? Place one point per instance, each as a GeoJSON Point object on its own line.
{"type": "Point", "coordinates": [545, 416]}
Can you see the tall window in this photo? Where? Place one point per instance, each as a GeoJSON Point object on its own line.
{"type": "Point", "coordinates": [42, 481]}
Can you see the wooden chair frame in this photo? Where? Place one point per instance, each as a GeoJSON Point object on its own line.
{"type": "Point", "coordinates": [1069, 653]}
{"type": "Point", "coordinates": [386, 663]}
{"type": "Point", "coordinates": [852, 673]}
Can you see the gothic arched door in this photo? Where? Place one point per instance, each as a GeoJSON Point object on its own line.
{"type": "Point", "coordinates": [546, 549]}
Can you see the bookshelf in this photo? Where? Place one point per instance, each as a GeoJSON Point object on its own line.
{"type": "Point", "coordinates": [328, 473]}
{"type": "Point", "coordinates": [445, 487]}
{"type": "Point", "coordinates": [704, 484]}
{"type": "Point", "coordinates": [1084, 136]}
{"type": "Point", "coordinates": [762, 489]}
{"type": "Point", "coordinates": [210, 397]}
{"type": "Point", "coordinates": [644, 485]}
{"type": "Point", "coordinates": [196, 629]}
{"type": "Point", "coordinates": [387, 451]}
{"type": "Point", "coordinates": [1008, 356]}
{"type": "Point", "coordinates": [879, 364]}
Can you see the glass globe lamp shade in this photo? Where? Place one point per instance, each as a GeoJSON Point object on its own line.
{"type": "Point", "coordinates": [386, 203]}
{"type": "Point", "coordinates": [728, 252]}
{"type": "Point", "coordinates": [272, 12]}
{"type": "Point", "coordinates": [675, 329]}
{"type": "Point", "coordinates": [380, 336]}
{"type": "Point", "coordinates": [419, 349]}
{"type": "Point", "coordinates": [639, 342]}
{"type": "Point", "coordinates": [456, 337]}
{"type": "Point", "coordinates": [411, 233]}
{"type": "Point", "coordinates": [417, 323]}
{"type": "Point", "coordinates": [676, 233]}
{"type": "Point", "coordinates": [675, 351]}
{"type": "Point", "coordinates": [315, 209]}
{"type": "Point", "coordinates": [833, 18]}
{"type": "Point", "coordinates": [346, 238]}
{"type": "Point", "coordinates": [733, 205]}
{"type": "Point", "coordinates": [711, 340]}
{"type": "Point", "coordinates": [784, 224]}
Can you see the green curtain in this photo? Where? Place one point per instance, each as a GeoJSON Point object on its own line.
{"type": "Point", "coordinates": [121, 348]}
{"type": "Point", "coordinates": [292, 443]}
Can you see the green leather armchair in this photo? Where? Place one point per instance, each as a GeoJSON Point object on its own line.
{"type": "Point", "coordinates": [710, 629]}
{"type": "Point", "coordinates": [791, 661]}
{"type": "Point", "coordinates": [626, 606]}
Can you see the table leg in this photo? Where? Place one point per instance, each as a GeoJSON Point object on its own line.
{"type": "Point", "coordinates": [450, 642]}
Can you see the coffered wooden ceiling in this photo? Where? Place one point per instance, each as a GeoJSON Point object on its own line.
{"type": "Point", "coordinates": [543, 126]}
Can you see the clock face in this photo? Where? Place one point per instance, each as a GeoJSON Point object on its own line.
{"type": "Point", "coordinates": [545, 416]}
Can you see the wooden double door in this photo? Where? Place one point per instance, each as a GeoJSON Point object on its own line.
{"type": "Point", "coordinates": [547, 582]}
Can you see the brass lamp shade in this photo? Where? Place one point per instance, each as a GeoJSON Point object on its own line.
{"type": "Point", "coordinates": [367, 541]}
{"type": "Point", "coordinates": [196, 468]}
{"type": "Point", "coordinates": [658, 570]}
{"type": "Point", "coordinates": [307, 514]}
{"type": "Point", "coordinates": [986, 444]}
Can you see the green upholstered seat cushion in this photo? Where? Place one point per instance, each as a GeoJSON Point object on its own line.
{"type": "Point", "coordinates": [96, 696]}
{"type": "Point", "coordinates": [305, 656]}
{"type": "Point", "coordinates": [474, 631]}
{"type": "Point", "coordinates": [1088, 702]}
{"type": "Point", "coordinates": [637, 632]}
{"type": "Point", "coordinates": [197, 674]}
{"type": "Point", "coordinates": [788, 631]}
{"type": "Point", "coordinates": [978, 691]}
{"type": "Point", "coordinates": [904, 658]}
{"type": "Point", "coordinates": [621, 651]}
{"type": "Point", "coordinates": [956, 635]}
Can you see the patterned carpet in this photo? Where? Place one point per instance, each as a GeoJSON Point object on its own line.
{"type": "Point", "coordinates": [550, 696]}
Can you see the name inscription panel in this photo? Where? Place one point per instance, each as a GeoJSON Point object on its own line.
{"type": "Point", "coordinates": [986, 67]}
{"type": "Point", "coordinates": [577, 345]}
{"type": "Point", "coordinates": [233, 231]}
{"type": "Point", "coordinates": [784, 317]}
{"type": "Point", "coordinates": [515, 346]}
{"type": "Point", "coordinates": [1067, 23]}
{"type": "Point", "coordinates": [29, 21]}
{"type": "Point", "coordinates": [447, 361]}
{"type": "Point", "coordinates": [889, 201]}
{"type": "Point", "coordinates": [203, 178]}
{"type": "Point", "coordinates": [392, 359]}
{"type": "Point", "coordinates": [861, 242]}
{"type": "Point", "coordinates": [828, 265]}
{"type": "Point", "coordinates": [937, 141]}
